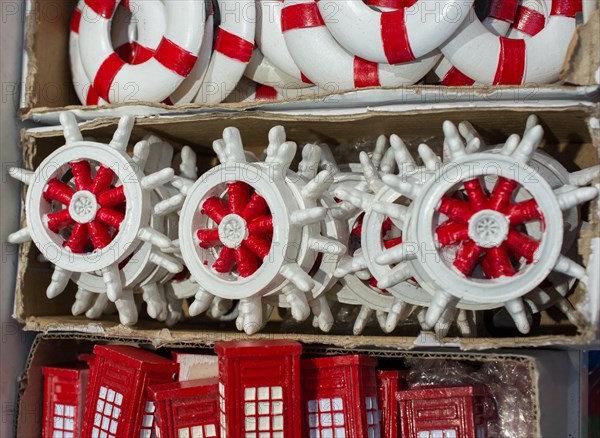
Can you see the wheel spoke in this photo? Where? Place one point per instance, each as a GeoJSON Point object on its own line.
{"type": "Point", "coordinates": [215, 209]}
{"type": "Point", "coordinates": [496, 263]}
{"type": "Point", "coordinates": [112, 197]}
{"type": "Point", "coordinates": [59, 220]}
{"type": "Point", "coordinates": [82, 174]}
{"type": "Point", "coordinates": [247, 262]}
{"type": "Point", "coordinates": [258, 245]}
{"type": "Point", "coordinates": [110, 217]}
{"type": "Point", "coordinates": [78, 239]}
{"type": "Point", "coordinates": [58, 191]}
{"type": "Point", "coordinates": [451, 232]}
{"type": "Point", "coordinates": [102, 181]}
{"type": "Point", "coordinates": [522, 245]}
{"type": "Point", "coordinates": [477, 196]}
{"type": "Point", "coordinates": [239, 194]}
{"type": "Point", "coordinates": [459, 211]}
{"type": "Point", "coordinates": [523, 212]}
{"type": "Point", "coordinates": [256, 207]}
{"type": "Point", "coordinates": [390, 243]}
{"type": "Point", "coordinates": [502, 194]}
{"type": "Point", "coordinates": [225, 262]}
{"type": "Point", "coordinates": [467, 257]}
{"type": "Point", "coordinates": [99, 234]}
{"type": "Point", "coordinates": [261, 225]}
{"type": "Point", "coordinates": [208, 237]}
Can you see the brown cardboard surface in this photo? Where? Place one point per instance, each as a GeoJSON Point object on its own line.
{"type": "Point", "coordinates": [48, 84]}
{"type": "Point", "coordinates": [43, 352]}
{"type": "Point", "coordinates": [569, 138]}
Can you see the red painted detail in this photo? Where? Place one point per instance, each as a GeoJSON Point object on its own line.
{"type": "Point", "coordinates": [394, 35]}
{"type": "Point", "coordinates": [511, 62]}
{"type": "Point", "coordinates": [366, 73]}
{"type": "Point", "coordinates": [301, 16]}
{"type": "Point", "coordinates": [233, 46]}
{"type": "Point", "coordinates": [174, 57]}
{"type": "Point", "coordinates": [58, 191]}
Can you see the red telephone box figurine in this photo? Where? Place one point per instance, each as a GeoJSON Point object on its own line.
{"type": "Point", "coordinates": [339, 397]}
{"type": "Point", "coordinates": [64, 400]}
{"type": "Point", "coordinates": [457, 412]}
{"type": "Point", "coordinates": [259, 388]}
{"type": "Point", "coordinates": [389, 383]}
{"type": "Point", "coordinates": [118, 404]}
{"type": "Point", "coordinates": [187, 409]}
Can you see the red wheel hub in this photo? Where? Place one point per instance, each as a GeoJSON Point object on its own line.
{"type": "Point", "coordinates": [244, 231]}
{"type": "Point", "coordinates": [486, 228]}
{"type": "Point", "coordinates": [92, 208]}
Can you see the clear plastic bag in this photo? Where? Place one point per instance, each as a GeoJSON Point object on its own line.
{"type": "Point", "coordinates": [508, 382]}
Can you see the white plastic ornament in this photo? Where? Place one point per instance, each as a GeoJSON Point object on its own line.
{"type": "Point", "coordinates": [232, 50]}
{"type": "Point", "coordinates": [251, 232]}
{"type": "Point", "coordinates": [512, 262]}
{"type": "Point", "coordinates": [88, 208]}
{"type": "Point", "coordinates": [393, 37]}
{"type": "Point", "coordinates": [154, 79]}
{"type": "Point", "coordinates": [490, 59]}
{"type": "Point", "coordinates": [331, 67]}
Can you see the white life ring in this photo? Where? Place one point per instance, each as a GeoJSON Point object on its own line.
{"type": "Point", "coordinates": [492, 59]}
{"type": "Point", "coordinates": [154, 79]}
{"type": "Point", "coordinates": [528, 18]}
{"type": "Point", "coordinates": [393, 37]}
{"type": "Point", "coordinates": [328, 65]}
{"type": "Point", "coordinates": [188, 89]}
{"type": "Point", "coordinates": [270, 40]}
{"type": "Point", "coordinates": [260, 69]}
{"type": "Point", "coordinates": [232, 51]}
{"type": "Point", "coordinates": [134, 42]}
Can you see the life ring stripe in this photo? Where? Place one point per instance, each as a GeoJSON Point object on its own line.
{"type": "Point", "coordinates": [511, 62]}
{"type": "Point", "coordinates": [529, 21]}
{"type": "Point", "coordinates": [305, 79]}
{"type": "Point", "coordinates": [566, 8]}
{"type": "Point", "coordinates": [265, 92]}
{"type": "Point", "coordinates": [455, 78]}
{"type": "Point", "coordinates": [104, 8]}
{"type": "Point", "coordinates": [92, 97]}
{"type": "Point", "coordinates": [75, 20]}
{"type": "Point", "coordinates": [301, 16]}
{"type": "Point", "coordinates": [106, 75]}
{"type": "Point", "coordinates": [503, 10]}
{"type": "Point", "coordinates": [233, 46]}
{"type": "Point", "coordinates": [174, 57]}
{"type": "Point", "coordinates": [395, 37]}
{"type": "Point", "coordinates": [392, 4]}
{"type": "Point", "coordinates": [366, 73]}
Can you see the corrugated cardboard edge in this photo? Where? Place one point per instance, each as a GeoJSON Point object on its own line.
{"type": "Point", "coordinates": [583, 58]}
{"type": "Point", "coordinates": [31, 25]}
{"type": "Point", "coordinates": [529, 361]}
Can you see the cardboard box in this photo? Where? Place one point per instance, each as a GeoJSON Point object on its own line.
{"type": "Point", "coordinates": [47, 86]}
{"type": "Point", "coordinates": [572, 136]}
{"type": "Point", "coordinates": [549, 402]}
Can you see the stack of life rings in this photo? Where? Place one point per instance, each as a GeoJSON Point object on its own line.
{"type": "Point", "coordinates": [204, 52]}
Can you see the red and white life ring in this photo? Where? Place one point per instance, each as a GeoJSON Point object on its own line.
{"type": "Point", "coordinates": [270, 40]}
{"type": "Point", "coordinates": [134, 40]}
{"type": "Point", "coordinates": [152, 80]}
{"type": "Point", "coordinates": [528, 19]}
{"type": "Point", "coordinates": [328, 65]}
{"type": "Point", "coordinates": [232, 50]}
{"type": "Point", "coordinates": [493, 59]}
{"type": "Point", "coordinates": [188, 89]}
{"type": "Point", "coordinates": [393, 37]}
